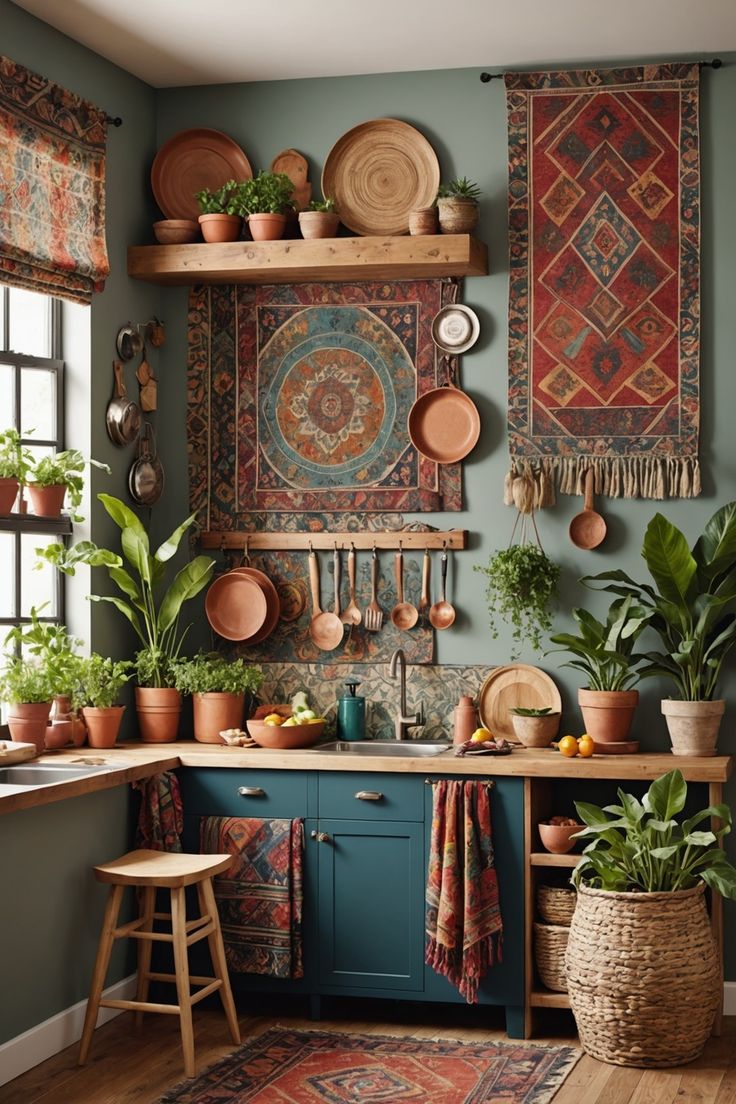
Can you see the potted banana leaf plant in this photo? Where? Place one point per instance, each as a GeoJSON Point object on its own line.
{"type": "Point", "coordinates": [151, 607]}
{"type": "Point", "coordinates": [692, 607]}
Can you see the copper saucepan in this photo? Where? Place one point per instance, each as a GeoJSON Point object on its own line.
{"type": "Point", "coordinates": [444, 423]}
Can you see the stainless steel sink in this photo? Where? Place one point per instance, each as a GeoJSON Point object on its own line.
{"type": "Point", "coordinates": [42, 775]}
{"type": "Point", "coordinates": [404, 748]}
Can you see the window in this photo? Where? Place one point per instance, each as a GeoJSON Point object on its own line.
{"type": "Point", "coordinates": [31, 399]}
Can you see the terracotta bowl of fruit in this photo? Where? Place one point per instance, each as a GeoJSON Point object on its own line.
{"type": "Point", "coordinates": [282, 729]}
{"type": "Point", "coordinates": [557, 832]}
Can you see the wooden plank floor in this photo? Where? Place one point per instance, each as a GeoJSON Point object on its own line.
{"type": "Point", "coordinates": [126, 1068]}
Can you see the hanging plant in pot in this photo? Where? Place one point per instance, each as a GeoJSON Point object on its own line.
{"type": "Point", "coordinates": [101, 680]}
{"type": "Point", "coordinates": [693, 609]}
{"type": "Point", "coordinates": [15, 463]}
{"type": "Point", "coordinates": [605, 655]}
{"type": "Point", "coordinates": [220, 218]}
{"type": "Point", "coordinates": [643, 970]}
{"type": "Point", "coordinates": [56, 477]}
{"type": "Point", "coordinates": [263, 201]}
{"type": "Point", "coordinates": [219, 688]}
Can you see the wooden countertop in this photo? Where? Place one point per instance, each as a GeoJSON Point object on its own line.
{"type": "Point", "coordinates": [132, 761]}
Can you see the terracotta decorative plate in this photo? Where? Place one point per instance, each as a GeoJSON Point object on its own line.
{"type": "Point", "coordinates": [236, 606]}
{"type": "Point", "coordinates": [455, 329]}
{"type": "Point", "coordinates": [377, 173]}
{"type": "Point", "coordinates": [506, 688]}
{"type": "Point", "coordinates": [192, 160]}
{"type": "Point", "coordinates": [444, 425]}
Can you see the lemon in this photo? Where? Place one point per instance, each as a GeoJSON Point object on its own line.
{"type": "Point", "coordinates": [586, 746]}
{"type": "Point", "coordinates": [316, 720]}
{"type": "Point", "coordinates": [568, 745]}
{"type": "Point", "coordinates": [273, 719]}
{"type": "Point", "coordinates": [480, 736]}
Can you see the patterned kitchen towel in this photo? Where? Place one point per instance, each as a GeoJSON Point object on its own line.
{"type": "Point", "coordinates": [260, 895]}
{"type": "Point", "coordinates": [161, 816]}
{"type": "Point", "coordinates": [463, 917]}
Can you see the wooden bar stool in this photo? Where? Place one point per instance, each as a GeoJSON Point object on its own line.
{"type": "Point", "coordinates": [152, 870]}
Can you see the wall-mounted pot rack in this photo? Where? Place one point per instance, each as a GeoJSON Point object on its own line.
{"type": "Point", "coordinates": [456, 539]}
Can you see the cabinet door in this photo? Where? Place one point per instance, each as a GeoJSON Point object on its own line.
{"type": "Point", "coordinates": [371, 915]}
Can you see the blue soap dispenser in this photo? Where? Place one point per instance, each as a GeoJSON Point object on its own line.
{"type": "Point", "coordinates": [351, 713]}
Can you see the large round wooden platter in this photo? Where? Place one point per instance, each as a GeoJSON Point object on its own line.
{"type": "Point", "coordinates": [377, 173]}
{"type": "Point", "coordinates": [516, 685]}
{"type": "Point", "coordinates": [192, 160]}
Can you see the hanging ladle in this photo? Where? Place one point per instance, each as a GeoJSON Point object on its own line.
{"type": "Point", "coordinates": [588, 528]}
{"type": "Point", "coordinates": [325, 628]}
{"type": "Point", "coordinates": [442, 613]}
{"type": "Point", "coordinates": [404, 615]}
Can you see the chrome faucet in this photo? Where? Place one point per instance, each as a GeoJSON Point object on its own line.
{"type": "Point", "coordinates": [404, 722]}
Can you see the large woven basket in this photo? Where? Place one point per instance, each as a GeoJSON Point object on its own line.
{"type": "Point", "coordinates": [556, 904]}
{"type": "Point", "coordinates": [643, 975]}
{"type": "Point", "coordinates": [550, 941]}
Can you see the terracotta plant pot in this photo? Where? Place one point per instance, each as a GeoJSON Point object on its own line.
{"type": "Point", "coordinates": [63, 714]}
{"type": "Point", "coordinates": [643, 976]}
{"type": "Point", "coordinates": [457, 215]}
{"type": "Point", "coordinates": [8, 494]}
{"type": "Point", "coordinates": [103, 725]}
{"type": "Point", "coordinates": [693, 725]}
{"type": "Point", "coordinates": [46, 501]}
{"type": "Point", "coordinates": [220, 228]}
{"type": "Point", "coordinates": [27, 722]}
{"type": "Point", "coordinates": [265, 227]}
{"type": "Point", "coordinates": [423, 221]}
{"type": "Point", "coordinates": [318, 224]}
{"type": "Point", "coordinates": [536, 732]}
{"type": "Point", "coordinates": [159, 710]}
{"type": "Point", "coordinates": [608, 714]}
{"type": "Point", "coordinates": [213, 713]}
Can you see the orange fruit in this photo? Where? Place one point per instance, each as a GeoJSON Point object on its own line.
{"type": "Point", "coordinates": [586, 746]}
{"type": "Point", "coordinates": [568, 745]}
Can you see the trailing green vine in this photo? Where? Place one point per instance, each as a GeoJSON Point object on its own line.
{"type": "Point", "coordinates": [521, 589]}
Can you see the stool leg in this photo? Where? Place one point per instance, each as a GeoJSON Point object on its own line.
{"type": "Point", "coordinates": [104, 950]}
{"type": "Point", "coordinates": [219, 962]}
{"type": "Point", "coordinates": [145, 946]}
{"type": "Point", "coordinates": [181, 969]}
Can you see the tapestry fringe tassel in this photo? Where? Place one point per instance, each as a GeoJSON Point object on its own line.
{"type": "Point", "coordinates": [615, 477]}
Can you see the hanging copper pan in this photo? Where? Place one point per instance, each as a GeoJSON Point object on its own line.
{"type": "Point", "coordinates": [444, 423]}
{"type": "Point", "coordinates": [236, 606]}
{"type": "Point", "coordinates": [273, 603]}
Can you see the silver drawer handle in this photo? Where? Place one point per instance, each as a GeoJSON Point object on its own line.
{"type": "Point", "coordinates": [369, 795]}
{"type": "Point", "coordinates": [251, 791]}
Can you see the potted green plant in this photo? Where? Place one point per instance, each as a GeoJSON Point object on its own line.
{"type": "Point", "coordinates": [25, 687]}
{"type": "Point", "coordinates": [101, 680]}
{"type": "Point", "coordinates": [220, 215]}
{"type": "Point", "coordinates": [457, 205]}
{"type": "Point", "coordinates": [263, 201]}
{"type": "Point", "coordinates": [604, 652]}
{"type": "Point", "coordinates": [52, 478]}
{"type": "Point", "coordinates": [693, 609]}
{"type": "Point", "coordinates": [535, 727]}
{"type": "Point", "coordinates": [521, 590]}
{"type": "Point", "coordinates": [320, 220]}
{"type": "Point", "coordinates": [643, 970]}
{"type": "Point", "coordinates": [218, 687]}
{"type": "Point", "coordinates": [152, 607]}
{"type": "Point", "coordinates": [15, 463]}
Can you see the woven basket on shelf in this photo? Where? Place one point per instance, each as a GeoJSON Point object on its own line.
{"type": "Point", "coordinates": [643, 976]}
{"type": "Point", "coordinates": [556, 904]}
{"type": "Point", "coordinates": [550, 941]}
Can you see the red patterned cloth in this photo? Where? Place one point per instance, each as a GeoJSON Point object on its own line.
{"type": "Point", "coordinates": [161, 816]}
{"type": "Point", "coordinates": [260, 895]}
{"type": "Point", "coordinates": [463, 916]}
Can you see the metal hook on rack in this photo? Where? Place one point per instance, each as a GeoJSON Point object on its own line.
{"type": "Point", "coordinates": [246, 550]}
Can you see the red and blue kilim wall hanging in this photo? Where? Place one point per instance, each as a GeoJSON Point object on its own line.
{"type": "Point", "coordinates": [604, 226]}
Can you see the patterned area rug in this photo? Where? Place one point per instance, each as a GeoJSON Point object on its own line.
{"type": "Point", "coordinates": [320, 1067]}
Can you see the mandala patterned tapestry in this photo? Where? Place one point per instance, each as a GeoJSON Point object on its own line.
{"type": "Point", "coordinates": [299, 397]}
{"type": "Point", "coordinates": [604, 212]}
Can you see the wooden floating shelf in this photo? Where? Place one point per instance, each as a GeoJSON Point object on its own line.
{"type": "Point", "coordinates": [452, 539]}
{"type": "Point", "coordinates": [546, 998]}
{"type": "Point", "coordinates": [297, 262]}
{"type": "Point", "coordinates": [546, 858]}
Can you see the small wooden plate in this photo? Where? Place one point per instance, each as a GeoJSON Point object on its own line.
{"type": "Point", "coordinates": [507, 688]}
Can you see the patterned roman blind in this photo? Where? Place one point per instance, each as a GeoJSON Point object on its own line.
{"type": "Point", "coordinates": [52, 187]}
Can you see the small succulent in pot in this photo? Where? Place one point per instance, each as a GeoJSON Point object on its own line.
{"type": "Point", "coordinates": [457, 204]}
{"type": "Point", "coordinates": [320, 220]}
{"type": "Point", "coordinates": [535, 727]}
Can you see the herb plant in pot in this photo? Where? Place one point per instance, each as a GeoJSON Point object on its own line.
{"type": "Point", "coordinates": [101, 680]}
{"type": "Point", "coordinates": [320, 220]}
{"type": "Point", "coordinates": [457, 205]}
{"type": "Point", "coordinates": [643, 970]}
{"type": "Point", "coordinates": [604, 653]}
{"type": "Point", "coordinates": [263, 201]}
{"type": "Point", "coordinates": [692, 607]}
{"type": "Point", "coordinates": [521, 589]}
{"type": "Point", "coordinates": [25, 687]}
{"type": "Point", "coordinates": [15, 463]}
{"type": "Point", "coordinates": [220, 218]}
{"type": "Point", "coordinates": [218, 687]}
{"type": "Point", "coordinates": [55, 477]}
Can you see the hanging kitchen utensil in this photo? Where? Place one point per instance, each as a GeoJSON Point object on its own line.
{"type": "Point", "coordinates": [424, 602]}
{"type": "Point", "coordinates": [587, 529]}
{"type": "Point", "coordinates": [128, 342]}
{"type": "Point", "coordinates": [273, 611]}
{"type": "Point", "coordinates": [373, 615]}
{"type": "Point", "coordinates": [351, 615]}
{"type": "Point", "coordinates": [236, 606]}
{"type": "Point", "coordinates": [155, 333]}
{"type": "Point", "coordinates": [148, 385]}
{"type": "Point", "coordinates": [146, 476]}
{"type": "Point", "coordinates": [442, 613]}
{"type": "Point", "coordinates": [455, 329]}
{"type": "Point", "coordinates": [325, 628]}
{"type": "Point", "coordinates": [444, 423]}
{"type": "Point", "coordinates": [123, 416]}
{"type": "Point", "coordinates": [404, 615]}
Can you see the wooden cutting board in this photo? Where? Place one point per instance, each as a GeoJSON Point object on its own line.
{"type": "Point", "coordinates": [12, 752]}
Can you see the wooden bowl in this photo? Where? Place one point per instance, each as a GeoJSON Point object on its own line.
{"type": "Point", "coordinates": [557, 837]}
{"type": "Point", "coordinates": [175, 231]}
{"type": "Point", "coordinates": [274, 736]}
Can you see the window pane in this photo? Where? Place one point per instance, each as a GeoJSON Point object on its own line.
{"type": "Point", "coordinates": [36, 587]}
{"type": "Point", "coordinates": [7, 394]}
{"type": "Point", "coordinates": [38, 403]}
{"type": "Point", "coordinates": [7, 575]}
{"type": "Point", "coordinates": [29, 328]}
